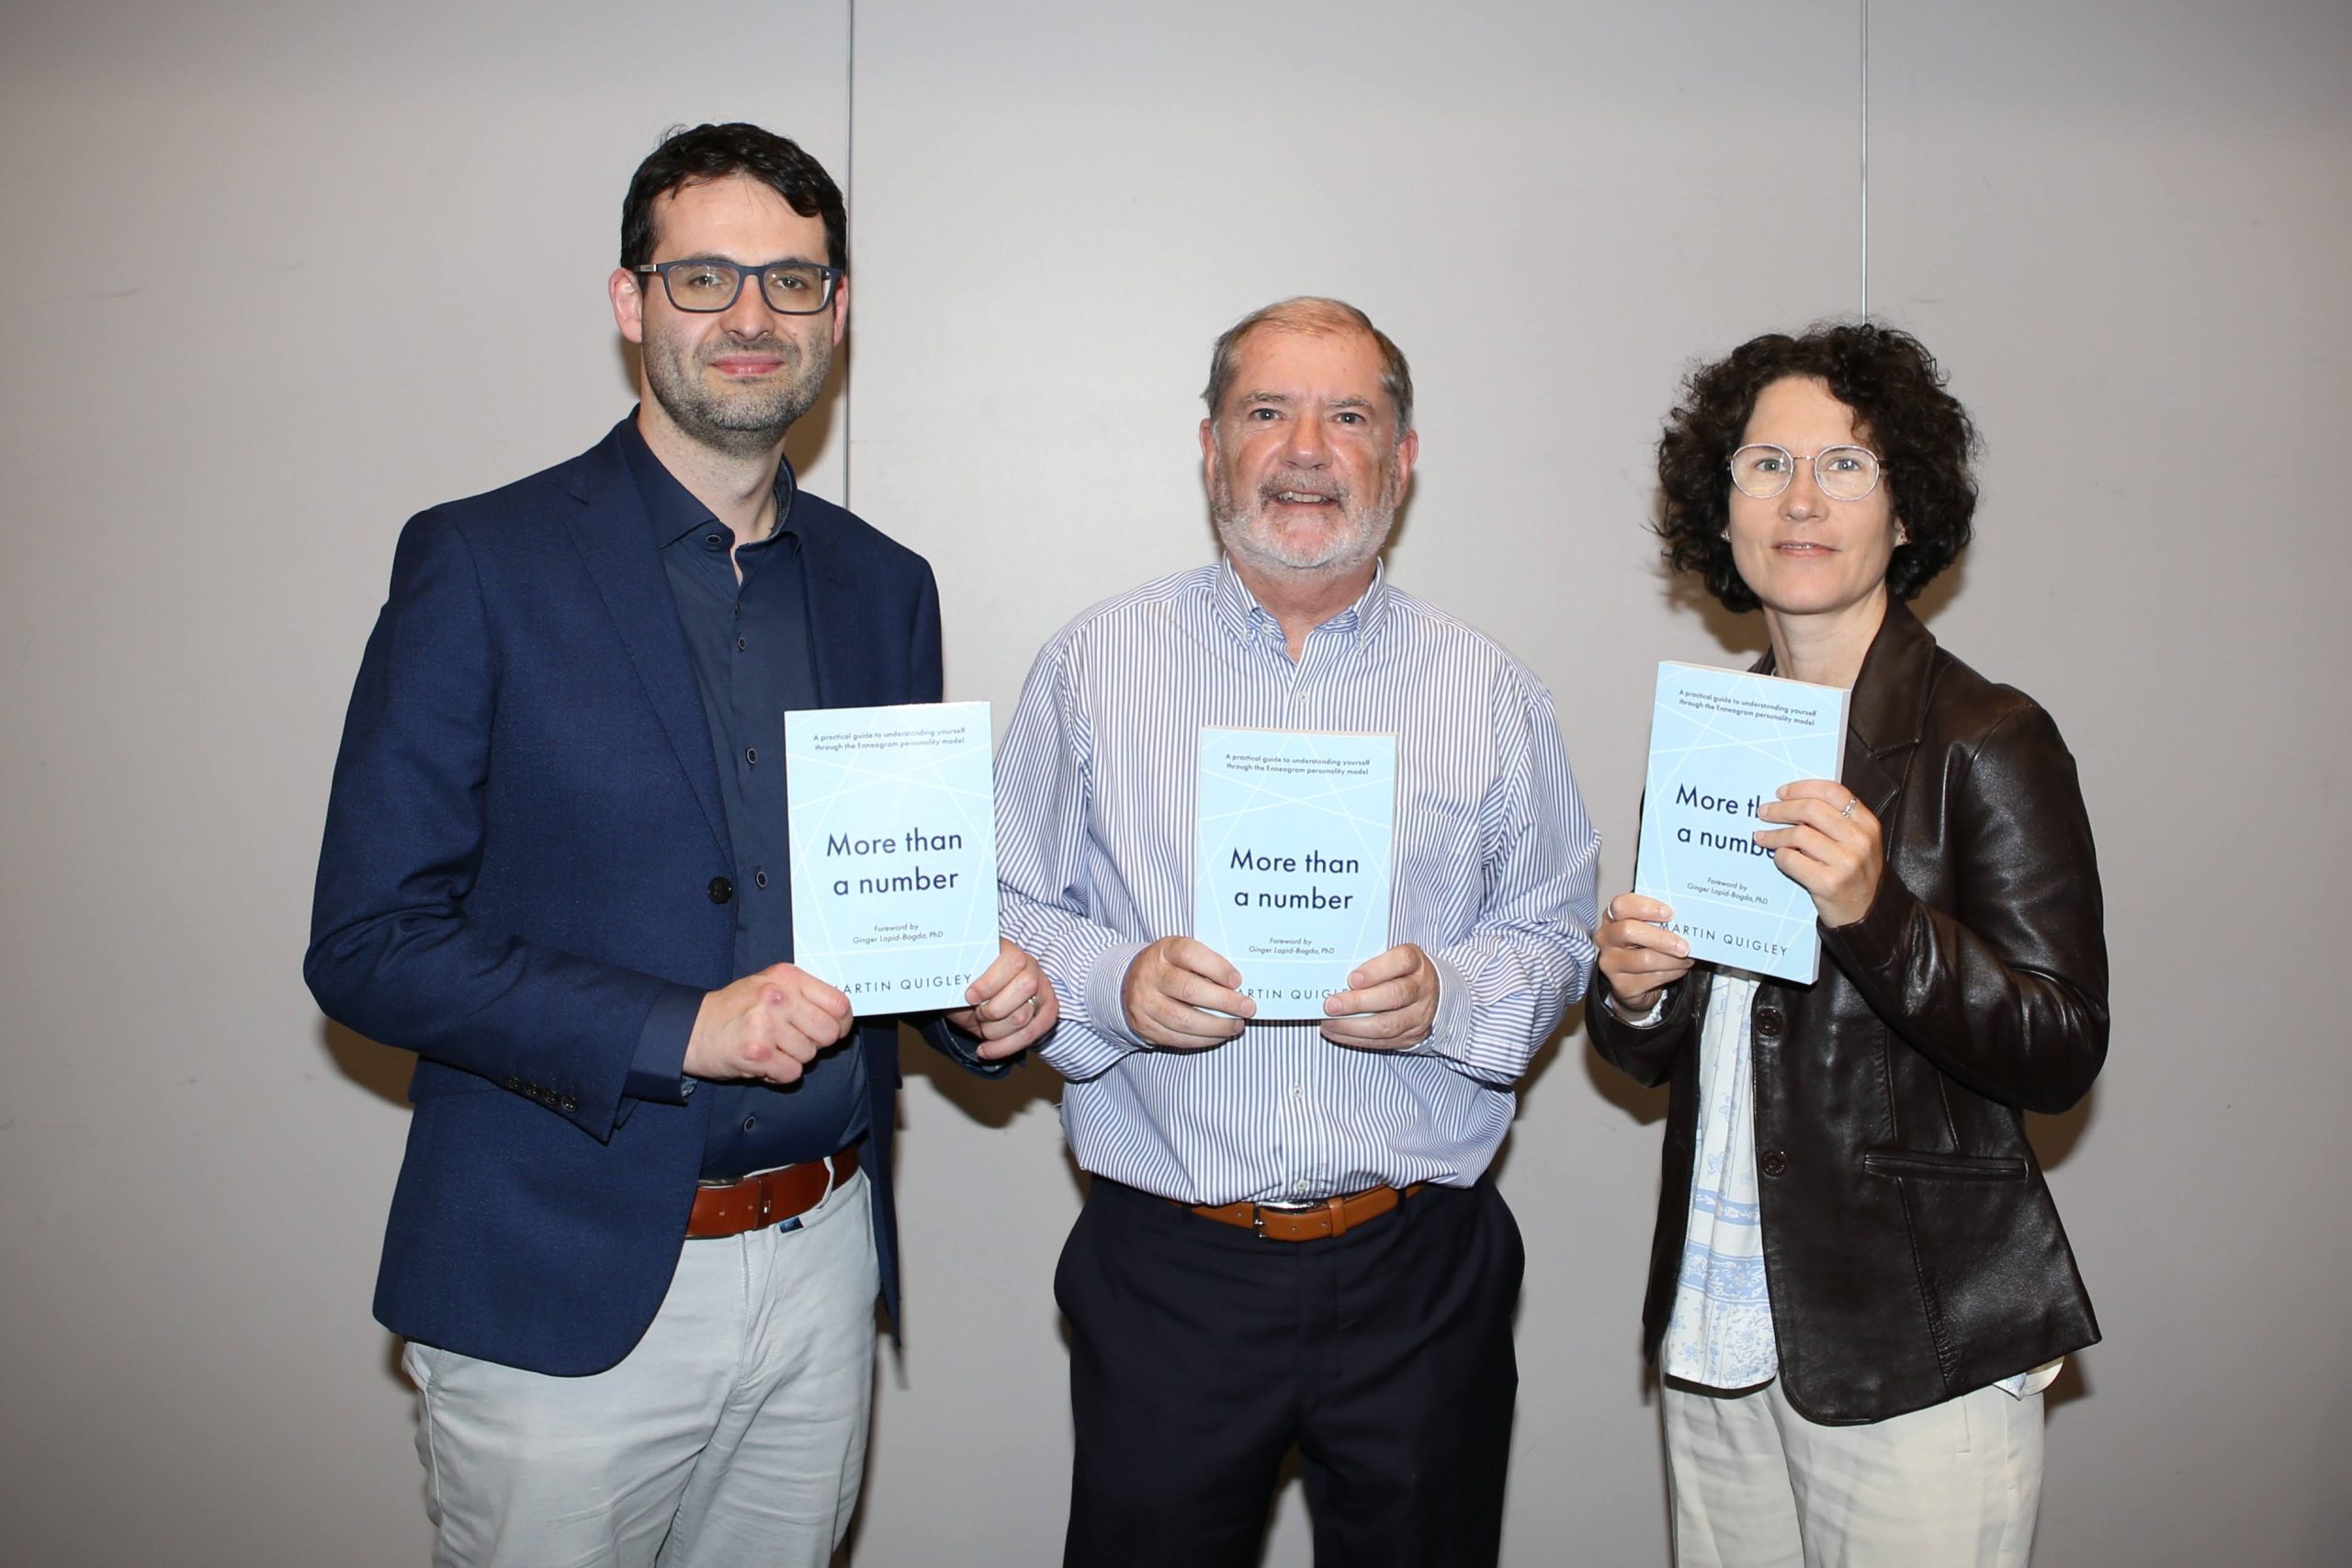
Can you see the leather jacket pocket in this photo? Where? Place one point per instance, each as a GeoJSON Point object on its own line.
{"type": "Point", "coordinates": [1922, 1164]}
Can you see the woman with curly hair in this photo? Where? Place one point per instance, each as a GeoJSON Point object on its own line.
{"type": "Point", "coordinates": [1859, 1286]}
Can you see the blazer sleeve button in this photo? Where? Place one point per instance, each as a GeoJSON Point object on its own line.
{"type": "Point", "coordinates": [569, 1105]}
{"type": "Point", "coordinates": [720, 890]}
{"type": "Point", "coordinates": [513, 1083]}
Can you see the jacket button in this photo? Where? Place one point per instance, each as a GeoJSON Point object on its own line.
{"type": "Point", "coordinates": [513, 1083]}
{"type": "Point", "coordinates": [720, 890]}
{"type": "Point", "coordinates": [1767, 1024]}
{"type": "Point", "coordinates": [569, 1105]}
{"type": "Point", "coordinates": [1773, 1162]}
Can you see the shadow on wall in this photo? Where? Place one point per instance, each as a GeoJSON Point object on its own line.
{"type": "Point", "coordinates": [994, 1103]}
{"type": "Point", "coordinates": [379, 1069]}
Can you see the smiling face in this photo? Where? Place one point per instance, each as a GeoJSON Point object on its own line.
{"type": "Point", "coordinates": [1805, 557]}
{"type": "Point", "coordinates": [1305, 466]}
{"type": "Point", "coordinates": [732, 380]}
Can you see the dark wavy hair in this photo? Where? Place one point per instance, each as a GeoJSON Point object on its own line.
{"type": "Point", "coordinates": [706, 153]}
{"type": "Point", "coordinates": [1901, 409]}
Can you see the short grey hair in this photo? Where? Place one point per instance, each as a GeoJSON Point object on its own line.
{"type": "Point", "coordinates": [1315, 315]}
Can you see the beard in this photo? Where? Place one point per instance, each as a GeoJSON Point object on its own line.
{"type": "Point", "coordinates": [1252, 536]}
{"type": "Point", "coordinates": [745, 419]}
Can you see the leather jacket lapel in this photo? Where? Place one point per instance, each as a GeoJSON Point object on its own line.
{"type": "Point", "coordinates": [1888, 710]}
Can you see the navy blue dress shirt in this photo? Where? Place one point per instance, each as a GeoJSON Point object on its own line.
{"type": "Point", "coordinates": [749, 642]}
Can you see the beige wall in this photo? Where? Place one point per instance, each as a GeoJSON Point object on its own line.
{"type": "Point", "coordinates": [239, 347]}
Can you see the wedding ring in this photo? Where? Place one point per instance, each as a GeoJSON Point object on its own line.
{"type": "Point", "coordinates": [1850, 806]}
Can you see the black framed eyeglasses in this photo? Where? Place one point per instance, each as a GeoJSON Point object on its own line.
{"type": "Point", "coordinates": [790, 287]}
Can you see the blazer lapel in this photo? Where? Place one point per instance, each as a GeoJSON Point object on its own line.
{"type": "Point", "coordinates": [615, 540]}
{"type": "Point", "coordinates": [835, 633]}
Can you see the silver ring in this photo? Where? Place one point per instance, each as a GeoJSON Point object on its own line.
{"type": "Point", "coordinates": [1850, 806]}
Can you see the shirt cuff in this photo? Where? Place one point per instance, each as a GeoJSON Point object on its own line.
{"type": "Point", "coordinates": [1648, 1020]}
{"type": "Point", "coordinates": [658, 1071]}
{"type": "Point", "coordinates": [1450, 1028]}
{"type": "Point", "coordinates": [1106, 982]}
{"type": "Point", "coordinates": [1087, 1047]}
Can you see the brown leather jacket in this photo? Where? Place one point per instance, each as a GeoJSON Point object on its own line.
{"type": "Point", "coordinates": [1912, 1248]}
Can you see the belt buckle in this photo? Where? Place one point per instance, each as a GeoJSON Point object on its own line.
{"type": "Point", "coordinates": [1304, 1206]}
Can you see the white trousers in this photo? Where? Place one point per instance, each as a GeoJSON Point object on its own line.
{"type": "Point", "coordinates": [1757, 1485]}
{"type": "Point", "coordinates": [733, 1436]}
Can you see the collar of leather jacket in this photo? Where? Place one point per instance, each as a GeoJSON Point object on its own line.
{"type": "Point", "coordinates": [1888, 707]}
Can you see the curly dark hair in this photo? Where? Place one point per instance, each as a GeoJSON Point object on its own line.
{"type": "Point", "coordinates": [706, 153]}
{"type": "Point", "coordinates": [1901, 409]}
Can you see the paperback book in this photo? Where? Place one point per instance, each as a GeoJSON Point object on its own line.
{"type": "Point", "coordinates": [1722, 743]}
{"type": "Point", "coordinates": [1292, 885]}
{"type": "Point", "coordinates": [893, 829]}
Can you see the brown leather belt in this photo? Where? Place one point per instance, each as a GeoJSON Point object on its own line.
{"type": "Point", "coordinates": [1313, 1222]}
{"type": "Point", "coordinates": [768, 1198]}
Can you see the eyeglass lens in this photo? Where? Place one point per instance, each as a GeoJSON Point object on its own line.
{"type": "Point", "coordinates": [1844, 473]}
{"type": "Point", "coordinates": [791, 288]}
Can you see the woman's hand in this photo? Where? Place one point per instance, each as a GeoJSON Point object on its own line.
{"type": "Point", "coordinates": [1638, 955]}
{"type": "Point", "coordinates": [1832, 849]}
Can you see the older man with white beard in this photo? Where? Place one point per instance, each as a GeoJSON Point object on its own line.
{"type": "Point", "coordinates": [1291, 1237]}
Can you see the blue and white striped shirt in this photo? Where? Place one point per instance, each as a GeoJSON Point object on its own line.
{"type": "Point", "coordinates": [1494, 872]}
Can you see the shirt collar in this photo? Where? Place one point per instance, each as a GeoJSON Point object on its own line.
{"type": "Point", "coordinates": [1240, 613]}
{"type": "Point", "coordinates": [670, 506]}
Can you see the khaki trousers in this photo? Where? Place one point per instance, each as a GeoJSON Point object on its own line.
{"type": "Point", "coordinates": [1757, 1485]}
{"type": "Point", "coordinates": [734, 1434]}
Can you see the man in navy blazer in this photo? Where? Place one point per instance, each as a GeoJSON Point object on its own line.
{"type": "Point", "coordinates": [645, 1209]}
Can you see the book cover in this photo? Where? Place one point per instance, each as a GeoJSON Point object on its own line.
{"type": "Point", "coordinates": [1292, 884]}
{"type": "Point", "coordinates": [1721, 743]}
{"type": "Point", "coordinates": [893, 830]}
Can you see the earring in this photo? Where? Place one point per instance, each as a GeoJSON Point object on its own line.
{"type": "Point", "coordinates": [1724, 536]}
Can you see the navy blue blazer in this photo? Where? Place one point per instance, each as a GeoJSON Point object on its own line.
{"type": "Point", "coordinates": [524, 824]}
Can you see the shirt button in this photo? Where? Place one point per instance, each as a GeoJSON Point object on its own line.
{"type": "Point", "coordinates": [720, 890]}
{"type": "Point", "coordinates": [1298, 1091]}
{"type": "Point", "coordinates": [740, 645]}
{"type": "Point", "coordinates": [749, 1123]}
{"type": "Point", "coordinates": [714, 540]}
{"type": "Point", "coordinates": [1773, 1162]}
{"type": "Point", "coordinates": [760, 878]}
{"type": "Point", "coordinates": [751, 755]}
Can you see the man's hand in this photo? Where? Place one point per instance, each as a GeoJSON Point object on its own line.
{"type": "Point", "coordinates": [1168, 985]}
{"type": "Point", "coordinates": [1395, 997]}
{"type": "Point", "coordinates": [1014, 1005]}
{"type": "Point", "coordinates": [1834, 849]}
{"type": "Point", "coordinates": [1639, 956]}
{"type": "Point", "coordinates": [767, 1026]}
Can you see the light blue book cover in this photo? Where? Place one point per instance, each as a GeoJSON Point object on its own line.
{"type": "Point", "coordinates": [1292, 885]}
{"type": "Point", "coordinates": [1721, 743]}
{"type": "Point", "coordinates": [893, 830]}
